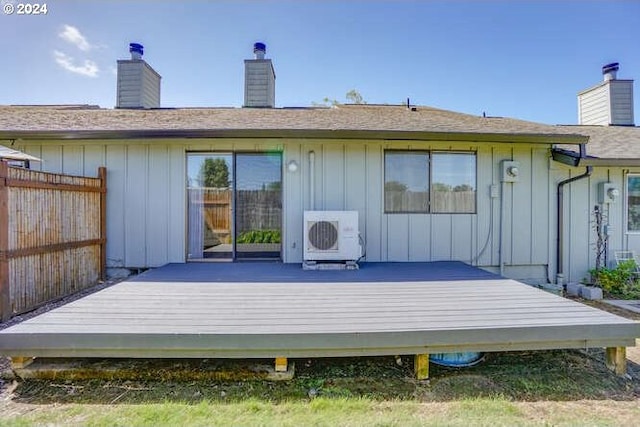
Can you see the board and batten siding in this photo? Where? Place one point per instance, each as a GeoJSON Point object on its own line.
{"type": "Point", "coordinates": [580, 234]}
{"type": "Point", "coordinates": [146, 206]}
{"type": "Point", "coordinates": [349, 176]}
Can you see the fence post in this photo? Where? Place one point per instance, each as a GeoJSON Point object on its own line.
{"type": "Point", "coordinates": [102, 174]}
{"type": "Point", "coordinates": [5, 296]}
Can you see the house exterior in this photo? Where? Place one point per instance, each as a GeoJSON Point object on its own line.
{"type": "Point", "coordinates": [428, 184]}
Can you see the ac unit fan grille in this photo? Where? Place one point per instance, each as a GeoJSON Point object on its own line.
{"type": "Point", "coordinates": [323, 235]}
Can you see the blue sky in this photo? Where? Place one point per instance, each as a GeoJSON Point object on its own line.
{"type": "Point", "coordinates": [507, 58]}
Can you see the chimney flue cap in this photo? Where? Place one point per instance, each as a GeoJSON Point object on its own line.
{"type": "Point", "coordinates": [610, 70]}
{"type": "Point", "coordinates": [259, 49]}
{"type": "Point", "coordinates": [136, 50]}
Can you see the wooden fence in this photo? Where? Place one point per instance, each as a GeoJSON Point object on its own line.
{"type": "Point", "coordinates": [52, 236]}
{"type": "Point", "coordinates": [434, 202]}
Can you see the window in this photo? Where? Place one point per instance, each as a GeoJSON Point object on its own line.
{"type": "Point", "coordinates": [453, 183]}
{"type": "Point", "coordinates": [406, 183]}
{"type": "Point", "coordinates": [633, 203]}
{"type": "Point", "coordinates": [423, 182]}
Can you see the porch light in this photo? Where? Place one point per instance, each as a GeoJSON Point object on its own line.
{"type": "Point", "coordinates": [292, 166]}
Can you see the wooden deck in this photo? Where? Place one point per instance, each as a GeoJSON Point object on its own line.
{"type": "Point", "coordinates": [275, 310]}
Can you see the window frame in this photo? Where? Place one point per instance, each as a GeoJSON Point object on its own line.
{"type": "Point", "coordinates": [429, 178]}
{"type": "Point", "coordinates": [626, 202]}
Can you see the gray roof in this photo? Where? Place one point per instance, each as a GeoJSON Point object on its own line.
{"type": "Point", "coordinates": [344, 121]}
{"type": "Point", "coordinates": [608, 142]}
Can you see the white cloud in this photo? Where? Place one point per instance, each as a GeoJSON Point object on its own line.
{"type": "Point", "coordinates": [72, 35]}
{"type": "Point", "coordinates": [88, 68]}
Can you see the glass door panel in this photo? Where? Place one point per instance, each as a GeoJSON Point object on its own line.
{"type": "Point", "coordinates": [258, 202]}
{"type": "Point", "coordinates": [210, 205]}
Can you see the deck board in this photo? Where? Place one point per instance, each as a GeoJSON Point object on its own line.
{"type": "Point", "coordinates": [176, 314]}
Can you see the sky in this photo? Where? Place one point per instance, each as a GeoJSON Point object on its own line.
{"type": "Point", "coordinates": [521, 59]}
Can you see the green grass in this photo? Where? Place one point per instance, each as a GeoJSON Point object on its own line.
{"type": "Point", "coordinates": [322, 412]}
{"type": "Point", "coordinates": [518, 388]}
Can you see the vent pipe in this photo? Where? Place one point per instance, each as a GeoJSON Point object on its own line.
{"type": "Point", "coordinates": [136, 50]}
{"type": "Point", "coordinates": [610, 71]}
{"type": "Point", "coordinates": [259, 49]}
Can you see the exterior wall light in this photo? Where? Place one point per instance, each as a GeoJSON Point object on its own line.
{"type": "Point", "coordinates": [292, 166]}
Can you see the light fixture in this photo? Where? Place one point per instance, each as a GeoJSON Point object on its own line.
{"type": "Point", "coordinates": [292, 166]}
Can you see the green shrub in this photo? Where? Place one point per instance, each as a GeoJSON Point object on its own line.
{"type": "Point", "coordinates": [620, 281]}
{"type": "Point", "coordinates": [259, 236]}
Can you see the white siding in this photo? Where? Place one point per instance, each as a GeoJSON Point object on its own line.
{"type": "Point", "coordinates": [579, 233]}
{"type": "Point", "coordinates": [609, 103]}
{"type": "Point", "coordinates": [594, 107]}
{"type": "Point", "coordinates": [259, 81]}
{"type": "Point", "coordinates": [146, 210]}
{"type": "Point", "coordinates": [138, 85]}
{"type": "Point", "coordinates": [622, 102]}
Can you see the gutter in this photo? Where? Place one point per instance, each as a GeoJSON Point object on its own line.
{"type": "Point", "coordinates": [528, 138]}
{"type": "Point", "coordinates": [560, 216]}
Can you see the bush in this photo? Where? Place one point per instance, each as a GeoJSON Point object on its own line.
{"type": "Point", "coordinates": [259, 236]}
{"type": "Point", "coordinates": [621, 281]}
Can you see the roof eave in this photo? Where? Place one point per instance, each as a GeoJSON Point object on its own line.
{"type": "Point", "coordinates": [296, 133]}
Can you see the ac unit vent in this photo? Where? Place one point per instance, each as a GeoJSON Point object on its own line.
{"type": "Point", "coordinates": [323, 235]}
{"type": "Point", "coordinates": [331, 236]}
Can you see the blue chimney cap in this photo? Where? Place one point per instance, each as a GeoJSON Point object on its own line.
{"type": "Point", "coordinates": [259, 47]}
{"type": "Point", "coordinates": [614, 66]}
{"type": "Point", "coordinates": [136, 47]}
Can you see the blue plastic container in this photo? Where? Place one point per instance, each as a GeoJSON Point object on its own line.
{"type": "Point", "coordinates": [456, 360]}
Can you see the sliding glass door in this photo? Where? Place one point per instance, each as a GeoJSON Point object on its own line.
{"type": "Point", "coordinates": [210, 206]}
{"type": "Point", "coordinates": [258, 199]}
{"type": "Point", "coordinates": [234, 205]}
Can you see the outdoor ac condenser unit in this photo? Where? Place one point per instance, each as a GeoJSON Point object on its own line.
{"type": "Point", "coordinates": [331, 236]}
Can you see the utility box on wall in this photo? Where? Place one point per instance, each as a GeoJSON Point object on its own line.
{"type": "Point", "coordinates": [607, 193]}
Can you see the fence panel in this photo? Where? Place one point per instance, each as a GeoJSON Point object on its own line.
{"type": "Point", "coordinates": [52, 241]}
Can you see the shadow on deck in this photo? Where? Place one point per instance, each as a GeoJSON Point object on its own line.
{"type": "Point", "coordinates": [275, 272]}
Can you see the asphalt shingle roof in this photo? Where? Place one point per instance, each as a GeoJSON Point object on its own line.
{"type": "Point", "coordinates": [609, 142]}
{"type": "Point", "coordinates": [377, 118]}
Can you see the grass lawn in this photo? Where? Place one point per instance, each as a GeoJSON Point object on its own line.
{"type": "Point", "coordinates": [571, 388]}
{"type": "Point", "coordinates": [518, 388]}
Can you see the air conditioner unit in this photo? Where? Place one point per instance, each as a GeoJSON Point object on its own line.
{"type": "Point", "coordinates": [331, 236]}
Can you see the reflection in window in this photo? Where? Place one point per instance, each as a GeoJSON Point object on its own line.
{"type": "Point", "coordinates": [453, 186]}
{"type": "Point", "coordinates": [406, 181]}
{"type": "Point", "coordinates": [422, 182]}
{"type": "Point", "coordinates": [633, 203]}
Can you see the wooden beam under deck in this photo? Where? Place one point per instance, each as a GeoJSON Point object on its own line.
{"type": "Point", "coordinates": [421, 366]}
{"type": "Point", "coordinates": [616, 359]}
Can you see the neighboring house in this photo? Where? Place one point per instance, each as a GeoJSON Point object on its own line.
{"type": "Point", "coordinates": [611, 161]}
{"type": "Point", "coordinates": [194, 184]}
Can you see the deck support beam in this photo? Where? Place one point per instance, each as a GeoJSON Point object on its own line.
{"type": "Point", "coordinates": [616, 359]}
{"type": "Point", "coordinates": [421, 366]}
{"type": "Point", "coordinates": [281, 364]}
{"type": "Point", "coordinates": [21, 362]}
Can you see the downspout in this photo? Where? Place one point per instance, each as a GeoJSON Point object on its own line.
{"type": "Point", "coordinates": [560, 215]}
